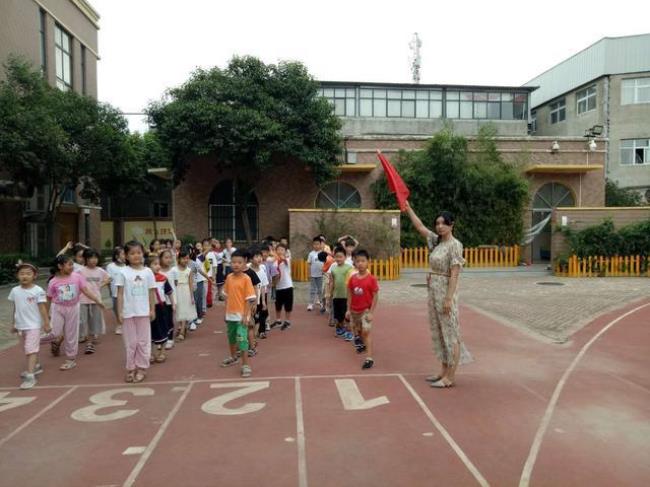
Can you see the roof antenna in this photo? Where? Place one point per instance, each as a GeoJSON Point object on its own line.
{"type": "Point", "coordinates": [416, 61]}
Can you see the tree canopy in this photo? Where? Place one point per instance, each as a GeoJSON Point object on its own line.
{"type": "Point", "coordinates": [486, 195]}
{"type": "Point", "coordinates": [617, 196]}
{"type": "Point", "coordinates": [62, 140]}
{"type": "Point", "coordinates": [248, 117]}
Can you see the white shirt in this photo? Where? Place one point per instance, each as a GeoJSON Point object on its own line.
{"type": "Point", "coordinates": [28, 316]}
{"type": "Point", "coordinates": [285, 281]}
{"type": "Point", "coordinates": [170, 274]}
{"type": "Point", "coordinates": [316, 266]}
{"type": "Point", "coordinates": [76, 267]}
{"type": "Point", "coordinates": [136, 284]}
{"type": "Point", "coordinates": [348, 260]}
{"type": "Point", "coordinates": [227, 256]}
{"type": "Point", "coordinates": [113, 270]}
{"type": "Point", "coordinates": [196, 275]}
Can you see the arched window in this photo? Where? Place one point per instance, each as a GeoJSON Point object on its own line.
{"type": "Point", "coordinates": [338, 195]}
{"type": "Point", "coordinates": [225, 217]}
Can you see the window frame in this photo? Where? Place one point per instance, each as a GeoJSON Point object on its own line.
{"type": "Point", "coordinates": [556, 108]}
{"type": "Point", "coordinates": [59, 33]}
{"type": "Point", "coordinates": [42, 29]}
{"type": "Point", "coordinates": [335, 203]}
{"type": "Point", "coordinates": [635, 90]}
{"type": "Point", "coordinates": [633, 148]}
{"type": "Point", "coordinates": [585, 95]}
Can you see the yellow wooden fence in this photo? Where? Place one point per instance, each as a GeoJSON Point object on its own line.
{"type": "Point", "coordinates": [617, 266]}
{"type": "Point", "coordinates": [487, 256]}
{"type": "Point", "coordinates": [382, 269]}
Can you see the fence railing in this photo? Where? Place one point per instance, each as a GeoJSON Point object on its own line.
{"type": "Point", "coordinates": [382, 269]}
{"type": "Point", "coordinates": [487, 256]}
{"type": "Point", "coordinates": [617, 266]}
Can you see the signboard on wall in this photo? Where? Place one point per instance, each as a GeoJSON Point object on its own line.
{"type": "Point", "coordinates": [143, 231]}
{"type": "Point", "coordinates": [108, 235]}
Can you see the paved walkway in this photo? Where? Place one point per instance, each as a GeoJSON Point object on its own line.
{"type": "Point", "coordinates": [524, 413]}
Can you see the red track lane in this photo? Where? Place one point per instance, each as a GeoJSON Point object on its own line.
{"type": "Point", "coordinates": [597, 434]}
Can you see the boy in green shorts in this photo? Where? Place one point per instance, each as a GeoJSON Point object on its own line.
{"type": "Point", "coordinates": [340, 273]}
{"type": "Point", "coordinates": [240, 296]}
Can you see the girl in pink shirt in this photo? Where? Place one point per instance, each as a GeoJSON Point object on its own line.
{"type": "Point", "coordinates": [64, 293]}
{"type": "Point", "coordinates": [91, 324]}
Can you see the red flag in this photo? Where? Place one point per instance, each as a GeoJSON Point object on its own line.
{"type": "Point", "coordinates": [395, 182]}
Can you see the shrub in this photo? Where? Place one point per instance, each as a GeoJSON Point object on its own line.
{"type": "Point", "coordinates": [606, 241]}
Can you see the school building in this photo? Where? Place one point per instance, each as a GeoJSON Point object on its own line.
{"type": "Point", "coordinates": [564, 171]}
{"type": "Point", "coordinates": [60, 37]}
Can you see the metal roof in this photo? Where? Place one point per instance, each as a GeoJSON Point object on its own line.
{"type": "Point", "coordinates": [610, 55]}
{"type": "Point", "coordinates": [373, 84]}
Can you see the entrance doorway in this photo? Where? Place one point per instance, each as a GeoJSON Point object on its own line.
{"type": "Point", "coordinates": [225, 217]}
{"type": "Point", "coordinates": [547, 198]}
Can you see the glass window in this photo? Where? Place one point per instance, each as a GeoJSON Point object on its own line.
{"type": "Point", "coordinates": [466, 104]}
{"type": "Point", "coordinates": [394, 108]}
{"type": "Point", "coordinates": [635, 90]}
{"type": "Point", "coordinates": [339, 106]}
{"type": "Point", "coordinates": [84, 87]}
{"type": "Point", "coordinates": [226, 218]}
{"type": "Point", "coordinates": [435, 109]}
{"type": "Point", "coordinates": [480, 110]}
{"type": "Point", "coordinates": [365, 93]}
{"type": "Point", "coordinates": [43, 19]}
{"type": "Point", "coordinates": [586, 99]}
{"type": "Point", "coordinates": [422, 95]}
{"type": "Point", "coordinates": [408, 95]}
{"type": "Point", "coordinates": [350, 107]}
{"type": "Point", "coordinates": [365, 107]}
{"type": "Point", "coordinates": [521, 106]}
{"type": "Point", "coordinates": [494, 111]}
{"type": "Point", "coordinates": [342, 99]}
{"type": "Point", "coordinates": [452, 109]}
{"type": "Point", "coordinates": [422, 109]}
{"type": "Point", "coordinates": [533, 121]}
{"type": "Point", "coordinates": [435, 95]}
{"type": "Point", "coordinates": [338, 195]}
{"type": "Point", "coordinates": [635, 151]}
{"type": "Point", "coordinates": [408, 108]}
{"type": "Point", "coordinates": [63, 58]}
{"type": "Point", "coordinates": [558, 111]}
{"type": "Point", "coordinates": [379, 93]}
{"type": "Point", "coordinates": [339, 92]}
{"type": "Point", "coordinates": [328, 92]}
{"type": "Point", "coordinates": [379, 107]}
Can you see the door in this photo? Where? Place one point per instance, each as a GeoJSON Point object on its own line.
{"type": "Point", "coordinates": [547, 198]}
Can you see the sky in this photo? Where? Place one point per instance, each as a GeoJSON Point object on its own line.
{"type": "Point", "coordinates": [147, 46]}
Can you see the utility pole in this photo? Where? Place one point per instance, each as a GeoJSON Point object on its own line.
{"type": "Point", "coordinates": [416, 60]}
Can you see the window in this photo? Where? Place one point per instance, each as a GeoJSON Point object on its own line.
{"type": "Point", "coordinates": [43, 35]}
{"type": "Point", "coordinates": [226, 217]}
{"type": "Point", "coordinates": [63, 54]}
{"type": "Point", "coordinates": [83, 70]}
{"type": "Point", "coordinates": [350, 157]}
{"type": "Point", "coordinates": [586, 100]}
{"type": "Point", "coordinates": [69, 196]}
{"type": "Point", "coordinates": [636, 90]}
{"type": "Point", "coordinates": [338, 195]}
{"type": "Point", "coordinates": [342, 99]}
{"type": "Point", "coordinates": [161, 209]}
{"type": "Point", "coordinates": [558, 111]}
{"type": "Point", "coordinates": [533, 121]}
{"type": "Point", "coordinates": [635, 151]}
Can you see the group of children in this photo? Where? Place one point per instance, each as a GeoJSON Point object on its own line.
{"type": "Point", "coordinates": [161, 293]}
{"type": "Point", "coordinates": [342, 286]}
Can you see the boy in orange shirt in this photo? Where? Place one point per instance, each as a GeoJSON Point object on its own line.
{"type": "Point", "coordinates": [240, 296]}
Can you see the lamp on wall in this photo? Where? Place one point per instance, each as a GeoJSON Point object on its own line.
{"type": "Point", "coordinates": [555, 147]}
{"type": "Point", "coordinates": [592, 145]}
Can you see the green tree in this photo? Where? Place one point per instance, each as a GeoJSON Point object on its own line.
{"type": "Point", "coordinates": [61, 140]}
{"type": "Point", "coordinates": [248, 118]}
{"type": "Point", "coordinates": [486, 195]}
{"type": "Point", "coordinates": [617, 196]}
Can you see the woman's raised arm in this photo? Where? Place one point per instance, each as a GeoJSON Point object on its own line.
{"type": "Point", "coordinates": [417, 223]}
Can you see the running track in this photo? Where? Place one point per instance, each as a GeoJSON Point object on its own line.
{"type": "Point", "coordinates": [524, 413]}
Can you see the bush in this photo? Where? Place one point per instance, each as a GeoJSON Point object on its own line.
{"type": "Point", "coordinates": [606, 241]}
{"type": "Point", "coordinates": [617, 196]}
{"type": "Point", "coordinates": [8, 266]}
{"type": "Point", "coordinates": [486, 195]}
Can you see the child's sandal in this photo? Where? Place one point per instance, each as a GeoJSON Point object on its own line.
{"type": "Point", "coordinates": [55, 347]}
{"type": "Point", "coordinates": [180, 337]}
{"type": "Point", "coordinates": [129, 376]}
{"type": "Point", "coordinates": [139, 376]}
{"type": "Point", "coordinates": [161, 358]}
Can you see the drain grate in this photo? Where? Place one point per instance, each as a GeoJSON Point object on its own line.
{"type": "Point", "coordinates": [550, 283]}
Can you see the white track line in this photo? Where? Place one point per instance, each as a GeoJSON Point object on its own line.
{"type": "Point", "coordinates": [229, 379]}
{"type": "Point", "coordinates": [300, 433]}
{"type": "Point", "coordinates": [546, 419]}
{"type": "Point", "coordinates": [37, 415]}
{"type": "Point", "coordinates": [156, 439]}
{"type": "Point", "coordinates": [445, 434]}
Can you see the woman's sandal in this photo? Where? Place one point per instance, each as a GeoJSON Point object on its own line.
{"type": "Point", "coordinates": [139, 376]}
{"type": "Point", "coordinates": [442, 385]}
{"type": "Point", "coordinates": [433, 378]}
{"type": "Point", "coordinates": [68, 364]}
{"type": "Point", "coordinates": [129, 376]}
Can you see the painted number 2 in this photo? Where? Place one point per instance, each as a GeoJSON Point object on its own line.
{"type": "Point", "coordinates": [218, 404]}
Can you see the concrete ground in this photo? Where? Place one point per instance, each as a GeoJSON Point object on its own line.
{"type": "Point", "coordinates": [525, 412]}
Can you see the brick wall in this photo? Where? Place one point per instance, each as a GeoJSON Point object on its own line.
{"type": "Point", "coordinates": [377, 231]}
{"type": "Point", "coordinates": [580, 218]}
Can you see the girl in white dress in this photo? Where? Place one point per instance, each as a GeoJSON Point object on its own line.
{"type": "Point", "coordinates": [185, 307]}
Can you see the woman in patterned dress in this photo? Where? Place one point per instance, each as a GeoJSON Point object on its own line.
{"type": "Point", "coordinates": [445, 261]}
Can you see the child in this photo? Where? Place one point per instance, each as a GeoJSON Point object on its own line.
{"type": "Point", "coordinates": [240, 294]}
{"type": "Point", "coordinates": [201, 280]}
{"type": "Point", "coordinates": [29, 315]}
{"type": "Point", "coordinates": [91, 323]}
{"type": "Point", "coordinates": [154, 247]}
{"type": "Point", "coordinates": [113, 269]}
{"type": "Point", "coordinates": [363, 294]}
{"type": "Point", "coordinates": [227, 256]}
{"type": "Point", "coordinates": [339, 274]}
{"type": "Point", "coordinates": [255, 280]}
{"type": "Point", "coordinates": [161, 324]}
{"type": "Point", "coordinates": [168, 269]}
{"type": "Point", "coordinates": [284, 288]}
{"type": "Point", "coordinates": [218, 272]}
{"type": "Point", "coordinates": [136, 303]}
{"type": "Point", "coordinates": [350, 244]}
{"type": "Point", "coordinates": [79, 261]}
{"type": "Point", "coordinates": [184, 285]}
{"type": "Point", "coordinates": [315, 276]}
{"type": "Point", "coordinates": [272, 271]}
{"type": "Point", "coordinates": [64, 292]}
{"type": "Point", "coordinates": [261, 311]}
{"type": "Point", "coordinates": [285, 242]}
